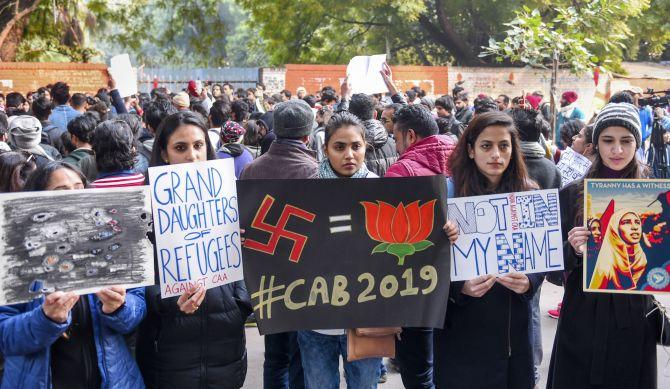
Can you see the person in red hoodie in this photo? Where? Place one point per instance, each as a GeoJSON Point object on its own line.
{"type": "Point", "coordinates": [422, 153]}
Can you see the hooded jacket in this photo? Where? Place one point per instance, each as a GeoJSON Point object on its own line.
{"type": "Point", "coordinates": [26, 336]}
{"type": "Point", "coordinates": [427, 157]}
{"type": "Point", "coordinates": [241, 156]}
{"type": "Point", "coordinates": [380, 153]}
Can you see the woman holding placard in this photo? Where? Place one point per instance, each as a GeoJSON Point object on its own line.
{"type": "Point", "coordinates": [344, 149]}
{"type": "Point", "coordinates": [68, 341]}
{"type": "Point", "coordinates": [485, 342]}
{"type": "Point", "coordinates": [196, 340]}
{"type": "Point", "coordinates": [603, 340]}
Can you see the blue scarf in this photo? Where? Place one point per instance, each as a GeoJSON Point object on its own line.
{"type": "Point", "coordinates": [326, 171]}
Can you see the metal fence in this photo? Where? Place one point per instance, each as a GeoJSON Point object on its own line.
{"type": "Point", "coordinates": [177, 79]}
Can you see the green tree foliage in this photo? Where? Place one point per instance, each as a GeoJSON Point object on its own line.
{"type": "Point", "coordinates": [650, 33]}
{"type": "Point", "coordinates": [274, 32]}
{"type": "Point", "coordinates": [569, 35]}
{"type": "Point", "coordinates": [58, 31]}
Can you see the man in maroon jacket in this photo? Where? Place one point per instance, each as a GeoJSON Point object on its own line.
{"type": "Point", "coordinates": [422, 153]}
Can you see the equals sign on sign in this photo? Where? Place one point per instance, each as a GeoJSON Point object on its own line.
{"type": "Point", "coordinates": [340, 219]}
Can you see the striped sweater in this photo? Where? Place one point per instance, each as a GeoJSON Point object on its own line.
{"type": "Point", "coordinates": [118, 180]}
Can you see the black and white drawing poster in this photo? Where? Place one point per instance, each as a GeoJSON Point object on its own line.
{"type": "Point", "coordinates": [75, 240]}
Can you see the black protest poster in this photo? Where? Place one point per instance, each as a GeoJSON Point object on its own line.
{"type": "Point", "coordinates": [345, 253]}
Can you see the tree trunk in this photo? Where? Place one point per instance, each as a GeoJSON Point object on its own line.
{"type": "Point", "coordinates": [12, 17]}
{"type": "Point", "coordinates": [445, 35]}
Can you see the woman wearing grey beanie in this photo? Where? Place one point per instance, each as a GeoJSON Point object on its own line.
{"type": "Point", "coordinates": [603, 340]}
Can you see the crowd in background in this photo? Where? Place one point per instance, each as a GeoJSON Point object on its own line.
{"type": "Point", "coordinates": [52, 139]}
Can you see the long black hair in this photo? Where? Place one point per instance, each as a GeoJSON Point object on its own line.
{"type": "Point", "coordinates": [169, 125]}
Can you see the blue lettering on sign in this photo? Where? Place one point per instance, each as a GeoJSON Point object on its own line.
{"type": "Point", "coordinates": [510, 255]}
{"type": "Point", "coordinates": [479, 251]}
{"type": "Point", "coordinates": [535, 212]}
{"type": "Point", "coordinates": [482, 217]}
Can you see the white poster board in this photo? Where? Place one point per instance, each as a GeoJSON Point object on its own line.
{"type": "Point", "coordinates": [572, 166]}
{"type": "Point", "coordinates": [503, 233]}
{"type": "Point", "coordinates": [196, 222]}
{"type": "Point", "coordinates": [74, 241]}
{"type": "Point", "coordinates": [363, 72]}
{"type": "Point", "coordinates": [124, 75]}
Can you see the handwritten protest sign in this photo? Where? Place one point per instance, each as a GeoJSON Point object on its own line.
{"type": "Point", "coordinates": [364, 76]}
{"type": "Point", "coordinates": [572, 166]}
{"type": "Point", "coordinates": [73, 241]}
{"type": "Point", "coordinates": [372, 255]}
{"type": "Point", "coordinates": [124, 75]}
{"type": "Point", "coordinates": [503, 233]}
{"type": "Point", "coordinates": [629, 221]}
{"type": "Point", "coordinates": [196, 224]}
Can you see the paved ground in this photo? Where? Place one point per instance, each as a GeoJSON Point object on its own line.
{"type": "Point", "coordinates": [550, 296]}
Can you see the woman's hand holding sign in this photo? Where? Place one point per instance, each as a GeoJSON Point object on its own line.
{"type": "Point", "coordinates": [516, 282]}
{"type": "Point", "coordinates": [57, 305]}
{"type": "Point", "coordinates": [577, 238]}
{"type": "Point", "coordinates": [452, 231]}
{"type": "Point", "coordinates": [190, 301]}
{"type": "Point", "coordinates": [112, 298]}
{"type": "Point", "coordinates": [477, 287]}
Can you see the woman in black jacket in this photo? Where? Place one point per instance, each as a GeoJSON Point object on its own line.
{"type": "Point", "coordinates": [195, 341]}
{"type": "Point", "coordinates": [485, 342]}
{"type": "Point", "coordinates": [603, 340]}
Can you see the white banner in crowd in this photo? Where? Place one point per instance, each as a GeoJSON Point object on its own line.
{"type": "Point", "coordinates": [363, 72]}
{"type": "Point", "coordinates": [124, 75]}
{"type": "Point", "coordinates": [572, 166]}
{"type": "Point", "coordinates": [503, 233]}
{"type": "Point", "coordinates": [196, 222]}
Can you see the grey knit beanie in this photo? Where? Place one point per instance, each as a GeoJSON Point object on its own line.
{"type": "Point", "coordinates": [25, 133]}
{"type": "Point", "coordinates": [619, 114]}
{"type": "Point", "coordinates": [293, 119]}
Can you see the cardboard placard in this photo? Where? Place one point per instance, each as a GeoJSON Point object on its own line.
{"type": "Point", "coordinates": [196, 222]}
{"type": "Point", "coordinates": [630, 236]}
{"type": "Point", "coordinates": [73, 241]}
{"type": "Point", "coordinates": [363, 72]}
{"type": "Point", "coordinates": [345, 253]}
{"type": "Point", "coordinates": [503, 233]}
{"type": "Point", "coordinates": [124, 75]}
{"type": "Point", "coordinates": [572, 166]}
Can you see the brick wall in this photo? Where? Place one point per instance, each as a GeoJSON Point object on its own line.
{"type": "Point", "coordinates": [433, 79]}
{"type": "Point", "coordinates": [28, 76]}
{"type": "Point", "coordinates": [514, 81]}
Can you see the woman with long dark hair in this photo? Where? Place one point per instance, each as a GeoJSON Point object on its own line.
{"type": "Point", "coordinates": [485, 342]}
{"type": "Point", "coordinates": [195, 340]}
{"type": "Point", "coordinates": [603, 340]}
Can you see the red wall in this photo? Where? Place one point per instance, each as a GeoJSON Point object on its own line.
{"type": "Point", "coordinates": [433, 79]}
{"type": "Point", "coordinates": [28, 76]}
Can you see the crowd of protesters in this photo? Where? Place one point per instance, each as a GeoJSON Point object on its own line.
{"type": "Point", "coordinates": [53, 139]}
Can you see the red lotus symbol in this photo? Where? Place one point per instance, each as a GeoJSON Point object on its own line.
{"type": "Point", "coordinates": [402, 230]}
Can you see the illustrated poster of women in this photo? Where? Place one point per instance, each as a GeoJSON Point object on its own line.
{"type": "Point", "coordinates": [629, 247]}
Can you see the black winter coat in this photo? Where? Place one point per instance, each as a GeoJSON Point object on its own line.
{"type": "Point", "coordinates": [544, 172]}
{"type": "Point", "coordinates": [603, 340]}
{"type": "Point", "coordinates": [485, 342]}
{"type": "Point", "coordinates": [204, 350]}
